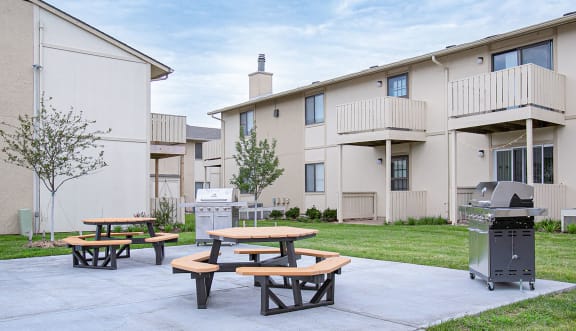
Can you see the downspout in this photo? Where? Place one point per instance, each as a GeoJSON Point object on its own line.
{"type": "Point", "coordinates": [446, 133]}
{"type": "Point", "coordinates": [223, 148]}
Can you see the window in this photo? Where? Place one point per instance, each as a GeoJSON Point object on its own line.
{"type": "Point", "coordinates": [511, 164]}
{"type": "Point", "coordinates": [540, 54]}
{"type": "Point", "coordinates": [198, 151]}
{"type": "Point", "coordinates": [399, 173]}
{"type": "Point", "coordinates": [315, 109]}
{"type": "Point", "coordinates": [247, 122]}
{"type": "Point", "coordinates": [398, 86]}
{"type": "Point", "coordinates": [197, 186]}
{"type": "Point", "coordinates": [315, 177]}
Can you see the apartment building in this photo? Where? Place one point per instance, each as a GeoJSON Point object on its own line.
{"type": "Point", "coordinates": [412, 138]}
{"type": "Point", "coordinates": [45, 50]}
{"type": "Point", "coordinates": [182, 175]}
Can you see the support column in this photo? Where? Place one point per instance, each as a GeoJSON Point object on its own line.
{"type": "Point", "coordinates": [156, 166]}
{"type": "Point", "coordinates": [388, 181]}
{"type": "Point", "coordinates": [339, 211]}
{"type": "Point", "coordinates": [529, 153]}
{"type": "Point", "coordinates": [181, 175]}
{"type": "Point", "coordinates": [452, 203]}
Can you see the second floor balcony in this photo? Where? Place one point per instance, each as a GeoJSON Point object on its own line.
{"type": "Point", "coordinates": [373, 121]}
{"type": "Point", "coordinates": [502, 100]}
{"type": "Point", "coordinates": [167, 135]}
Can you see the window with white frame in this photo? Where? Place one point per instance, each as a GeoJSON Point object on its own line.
{"type": "Point", "coordinates": [511, 164]}
{"type": "Point", "coordinates": [315, 109]}
{"type": "Point", "coordinates": [398, 86]}
{"type": "Point", "coordinates": [315, 177]}
{"type": "Point", "coordinates": [246, 122]}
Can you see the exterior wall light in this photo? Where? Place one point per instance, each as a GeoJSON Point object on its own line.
{"type": "Point", "coordinates": [480, 60]}
{"type": "Point", "coordinates": [378, 83]}
{"type": "Point", "coordinates": [480, 153]}
{"type": "Point", "coordinates": [379, 161]}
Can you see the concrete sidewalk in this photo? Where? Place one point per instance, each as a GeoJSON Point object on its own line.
{"type": "Point", "coordinates": [47, 293]}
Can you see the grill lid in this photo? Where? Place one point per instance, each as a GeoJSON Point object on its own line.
{"type": "Point", "coordinates": [503, 195]}
{"type": "Point", "coordinates": [216, 195]}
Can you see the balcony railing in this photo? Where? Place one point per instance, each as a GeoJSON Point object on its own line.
{"type": "Point", "coordinates": [212, 150]}
{"type": "Point", "coordinates": [358, 205]}
{"type": "Point", "coordinates": [380, 114]}
{"type": "Point", "coordinates": [168, 129]}
{"type": "Point", "coordinates": [551, 197]}
{"type": "Point", "coordinates": [521, 86]}
{"type": "Point", "coordinates": [405, 204]}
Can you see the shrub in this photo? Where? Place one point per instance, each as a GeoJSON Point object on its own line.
{"type": "Point", "coordinates": [330, 214]}
{"type": "Point", "coordinates": [164, 214]}
{"type": "Point", "coordinates": [548, 225]}
{"type": "Point", "coordinates": [411, 221]}
{"type": "Point", "coordinates": [276, 214]}
{"type": "Point", "coordinates": [117, 228]}
{"type": "Point", "coordinates": [398, 222]}
{"type": "Point", "coordinates": [313, 213]}
{"type": "Point", "coordinates": [571, 228]}
{"type": "Point", "coordinates": [293, 213]}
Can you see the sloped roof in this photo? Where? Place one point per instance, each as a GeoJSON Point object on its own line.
{"type": "Point", "coordinates": [566, 19]}
{"type": "Point", "coordinates": [201, 133]}
{"type": "Point", "coordinates": [158, 69]}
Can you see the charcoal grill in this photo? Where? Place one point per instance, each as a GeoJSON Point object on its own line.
{"type": "Point", "coordinates": [501, 233]}
{"type": "Point", "coordinates": [215, 208]}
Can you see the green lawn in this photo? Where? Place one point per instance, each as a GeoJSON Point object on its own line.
{"type": "Point", "coordinates": [443, 246]}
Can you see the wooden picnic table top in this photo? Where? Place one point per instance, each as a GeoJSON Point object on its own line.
{"type": "Point", "coordinates": [266, 232]}
{"type": "Point", "coordinates": [118, 220]}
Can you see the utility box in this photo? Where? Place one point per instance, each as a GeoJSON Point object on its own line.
{"type": "Point", "coordinates": [25, 218]}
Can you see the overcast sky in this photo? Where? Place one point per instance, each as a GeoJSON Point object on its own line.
{"type": "Point", "coordinates": [213, 45]}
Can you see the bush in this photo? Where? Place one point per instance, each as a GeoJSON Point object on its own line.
{"type": "Point", "coordinates": [398, 222]}
{"type": "Point", "coordinates": [330, 215]}
{"type": "Point", "coordinates": [313, 213]}
{"type": "Point", "coordinates": [164, 214]}
{"type": "Point", "coordinates": [548, 225]}
{"type": "Point", "coordinates": [571, 228]}
{"type": "Point", "coordinates": [276, 214]}
{"type": "Point", "coordinates": [411, 221]}
{"type": "Point", "coordinates": [293, 213]}
{"type": "Point", "coordinates": [117, 228]}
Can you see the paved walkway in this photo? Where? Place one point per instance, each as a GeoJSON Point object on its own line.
{"type": "Point", "coordinates": [48, 294]}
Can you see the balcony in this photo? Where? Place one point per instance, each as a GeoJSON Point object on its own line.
{"type": "Point", "coordinates": [212, 153]}
{"type": "Point", "coordinates": [167, 135]}
{"type": "Point", "coordinates": [502, 100]}
{"type": "Point", "coordinates": [371, 122]}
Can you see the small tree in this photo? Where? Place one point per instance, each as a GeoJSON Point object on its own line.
{"type": "Point", "coordinates": [54, 145]}
{"type": "Point", "coordinates": [258, 166]}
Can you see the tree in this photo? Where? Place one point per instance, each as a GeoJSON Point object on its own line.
{"type": "Point", "coordinates": [57, 146]}
{"type": "Point", "coordinates": [258, 165]}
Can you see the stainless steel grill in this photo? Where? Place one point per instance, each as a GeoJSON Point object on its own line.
{"type": "Point", "coordinates": [215, 208]}
{"type": "Point", "coordinates": [501, 230]}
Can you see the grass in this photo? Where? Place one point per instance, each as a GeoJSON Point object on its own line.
{"type": "Point", "coordinates": [443, 246]}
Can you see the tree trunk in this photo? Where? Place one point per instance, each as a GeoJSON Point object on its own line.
{"type": "Point", "coordinates": [255, 210]}
{"type": "Point", "coordinates": [52, 218]}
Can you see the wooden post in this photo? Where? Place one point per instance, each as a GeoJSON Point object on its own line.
{"type": "Point", "coordinates": [156, 166]}
{"type": "Point", "coordinates": [181, 175]}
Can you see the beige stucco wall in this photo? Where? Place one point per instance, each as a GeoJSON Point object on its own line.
{"type": "Point", "coordinates": [16, 97]}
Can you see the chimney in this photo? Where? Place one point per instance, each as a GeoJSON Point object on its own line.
{"type": "Point", "coordinates": [260, 82]}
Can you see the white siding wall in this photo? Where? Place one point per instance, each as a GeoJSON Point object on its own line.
{"type": "Point", "coordinates": [113, 88]}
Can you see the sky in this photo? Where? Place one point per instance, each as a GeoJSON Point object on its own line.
{"type": "Point", "coordinates": [212, 45]}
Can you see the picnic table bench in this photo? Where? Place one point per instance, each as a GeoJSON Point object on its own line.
{"type": "Point", "coordinates": [321, 273]}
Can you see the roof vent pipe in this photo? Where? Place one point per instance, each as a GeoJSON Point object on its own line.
{"type": "Point", "coordinates": [261, 62]}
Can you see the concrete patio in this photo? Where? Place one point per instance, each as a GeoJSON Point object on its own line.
{"type": "Point", "coordinates": [48, 293]}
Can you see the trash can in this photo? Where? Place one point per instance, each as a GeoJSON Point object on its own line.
{"type": "Point", "coordinates": [25, 217]}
